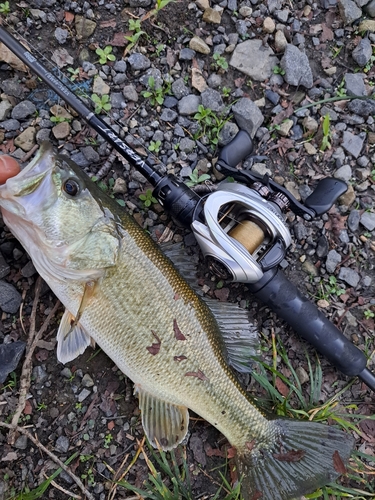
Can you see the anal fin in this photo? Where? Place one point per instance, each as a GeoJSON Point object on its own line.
{"type": "Point", "coordinates": [72, 339]}
{"type": "Point", "coordinates": [165, 424]}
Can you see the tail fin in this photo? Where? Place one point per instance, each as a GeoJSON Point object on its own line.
{"type": "Point", "coordinates": [306, 456]}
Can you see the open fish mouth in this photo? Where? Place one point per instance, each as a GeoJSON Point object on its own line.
{"type": "Point", "coordinates": [16, 195]}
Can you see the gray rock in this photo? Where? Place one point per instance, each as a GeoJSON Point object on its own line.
{"type": "Point", "coordinates": [247, 115]}
{"type": "Point", "coordinates": [155, 74]}
{"type": "Point", "coordinates": [21, 443]}
{"type": "Point", "coordinates": [214, 80]}
{"type": "Point", "coordinates": [188, 105]}
{"type": "Point", "coordinates": [187, 145]}
{"type": "Point", "coordinates": [187, 54]}
{"type": "Point", "coordinates": [4, 267]}
{"type": "Point", "coordinates": [333, 259]}
{"type": "Point", "coordinates": [344, 173]}
{"type": "Point", "coordinates": [212, 99]}
{"type": "Point", "coordinates": [140, 3]}
{"type": "Point", "coordinates": [363, 52]}
{"type": "Point", "coordinates": [353, 220]}
{"type": "Point", "coordinates": [61, 35]}
{"type": "Point", "coordinates": [62, 444]}
{"type": "Point", "coordinates": [322, 247]}
{"type": "Point", "coordinates": [80, 159]}
{"type": "Point", "coordinates": [43, 135]}
{"type": "Point", "coordinates": [39, 374]}
{"type": "Point", "coordinates": [297, 68]}
{"type": "Point", "coordinates": [10, 299]}
{"type": "Point", "coordinates": [227, 133]}
{"type": "Point", "coordinates": [119, 78]}
{"type": "Point", "coordinates": [354, 84]}
{"type": "Point", "coordinates": [5, 109]}
{"type": "Point", "coordinates": [368, 220]}
{"type": "Point", "coordinates": [87, 381]}
{"type": "Point", "coordinates": [10, 125]}
{"type": "Point", "coordinates": [12, 87]}
{"type": "Point", "coordinates": [254, 59]}
{"type": "Point", "coordinates": [90, 154]}
{"type": "Point", "coordinates": [362, 107]}
{"type": "Point", "coordinates": [23, 110]}
{"type": "Point", "coordinates": [349, 11]}
{"type": "Point", "coordinates": [83, 395]}
{"type": "Point", "coordinates": [10, 355]}
{"type": "Point", "coordinates": [168, 115]}
{"type": "Point", "coordinates": [130, 93]}
{"type": "Point", "coordinates": [117, 100]}
{"type": "Point", "coordinates": [179, 88]}
{"type": "Point", "coordinates": [350, 276]}
{"type": "Point", "coordinates": [370, 8]}
{"type": "Point", "coordinates": [139, 62]}
{"type": "Point", "coordinates": [120, 66]}
{"type": "Point", "coordinates": [300, 231]}
{"type": "Point", "coordinates": [353, 143]}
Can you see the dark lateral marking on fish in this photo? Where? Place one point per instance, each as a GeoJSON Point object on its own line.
{"type": "Point", "coordinates": [338, 464]}
{"type": "Point", "coordinates": [290, 456]}
{"type": "Point", "coordinates": [155, 347]}
{"type": "Point", "coordinates": [199, 374]}
{"type": "Point", "coordinates": [179, 358]}
{"type": "Point", "coordinates": [177, 332]}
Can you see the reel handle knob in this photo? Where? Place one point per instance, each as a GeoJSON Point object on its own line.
{"type": "Point", "coordinates": [237, 149]}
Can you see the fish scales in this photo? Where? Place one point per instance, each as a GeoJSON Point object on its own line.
{"type": "Point", "coordinates": [142, 267]}
{"type": "Point", "coordinates": [120, 290]}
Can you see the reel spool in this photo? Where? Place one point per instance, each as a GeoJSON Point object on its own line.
{"type": "Point", "coordinates": [243, 235]}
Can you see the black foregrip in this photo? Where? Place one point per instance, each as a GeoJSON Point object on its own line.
{"type": "Point", "coordinates": [237, 150]}
{"type": "Point", "coordinates": [304, 317]}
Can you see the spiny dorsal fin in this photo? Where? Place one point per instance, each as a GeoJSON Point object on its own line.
{"type": "Point", "coordinates": [71, 341]}
{"type": "Point", "coordinates": [239, 334]}
{"type": "Point", "coordinates": [165, 424]}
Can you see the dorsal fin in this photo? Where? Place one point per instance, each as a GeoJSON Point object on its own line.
{"type": "Point", "coordinates": [239, 334]}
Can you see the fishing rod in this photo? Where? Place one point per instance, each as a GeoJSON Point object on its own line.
{"type": "Point", "coordinates": [240, 228]}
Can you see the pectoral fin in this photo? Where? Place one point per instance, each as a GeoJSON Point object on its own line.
{"type": "Point", "coordinates": [72, 339]}
{"type": "Point", "coordinates": [165, 424]}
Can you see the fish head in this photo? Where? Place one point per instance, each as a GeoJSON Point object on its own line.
{"type": "Point", "coordinates": [58, 215]}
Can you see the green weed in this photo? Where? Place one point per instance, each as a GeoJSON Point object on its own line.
{"type": "Point", "coordinates": [38, 492]}
{"type": "Point", "coordinates": [155, 146]}
{"type": "Point", "coordinates": [155, 94]}
{"type": "Point", "coordinates": [326, 144]}
{"type": "Point", "coordinates": [135, 26]}
{"type": "Point", "coordinates": [195, 178]}
{"type": "Point", "coordinates": [278, 71]}
{"type": "Point", "coordinates": [59, 119]}
{"type": "Point", "coordinates": [147, 198]}
{"type": "Point", "coordinates": [368, 314]}
{"type": "Point", "coordinates": [105, 54]}
{"type": "Point", "coordinates": [210, 123]}
{"type": "Point", "coordinates": [220, 62]}
{"type": "Point", "coordinates": [4, 8]}
{"type": "Point", "coordinates": [101, 103]}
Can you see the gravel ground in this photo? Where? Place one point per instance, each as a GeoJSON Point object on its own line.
{"type": "Point", "coordinates": [295, 76]}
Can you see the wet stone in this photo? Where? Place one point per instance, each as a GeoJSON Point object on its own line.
{"type": "Point", "coordinates": [322, 247]}
{"type": "Point", "coordinates": [354, 84]}
{"type": "Point", "coordinates": [363, 52]}
{"type": "Point", "coordinates": [350, 276]}
{"type": "Point", "coordinates": [368, 220]}
{"type": "Point", "coordinates": [353, 220]}
{"type": "Point", "coordinates": [4, 267]}
{"type": "Point", "coordinates": [353, 143]}
{"type": "Point", "coordinates": [10, 299]}
{"type": "Point", "coordinates": [23, 110]}
{"type": "Point", "coordinates": [39, 374]}
{"type": "Point", "coordinates": [333, 259]}
{"type": "Point", "coordinates": [21, 443]}
{"type": "Point", "coordinates": [10, 355]}
{"type": "Point", "coordinates": [87, 381]}
{"type": "Point", "coordinates": [83, 395]}
{"type": "Point", "coordinates": [62, 444]}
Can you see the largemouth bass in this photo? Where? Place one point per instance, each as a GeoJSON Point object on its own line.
{"type": "Point", "coordinates": [120, 290]}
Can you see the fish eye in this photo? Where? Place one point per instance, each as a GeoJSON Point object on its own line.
{"type": "Point", "coordinates": [71, 187]}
